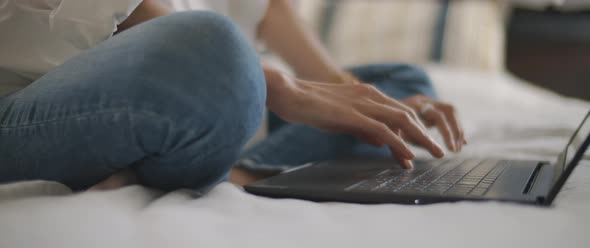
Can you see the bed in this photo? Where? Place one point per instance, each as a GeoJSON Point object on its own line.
{"type": "Point", "coordinates": [503, 117]}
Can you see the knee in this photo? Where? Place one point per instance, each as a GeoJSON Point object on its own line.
{"type": "Point", "coordinates": [412, 73]}
{"type": "Point", "coordinates": [199, 36]}
{"type": "Point", "coordinates": [391, 71]}
{"type": "Point", "coordinates": [397, 80]}
{"type": "Point", "coordinates": [415, 80]}
{"type": "Point", "coordinates": [213, 77]}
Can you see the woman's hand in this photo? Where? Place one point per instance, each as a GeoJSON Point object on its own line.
{"type": "Point", "coordinates": [343, 77]}
{"type": "Point", "coordinates": [443, 116]}
{"type": "Point", "coordinates": [356, 109]}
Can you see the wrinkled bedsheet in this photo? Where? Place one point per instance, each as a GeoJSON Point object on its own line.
{"type": "Point", "coordinates": [502, 118]}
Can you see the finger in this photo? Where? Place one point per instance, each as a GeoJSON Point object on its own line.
{"type": "Point", "coordinates": [370, 140]}
{"type": "Point", "coordinates": [450, 115]}
{"type": "Point", "coordinates": [378, 96]}
{"type": "Point", "coordinates": [407, 164]}
{"type": "Point", "coordinates": [441, 123]}
{"type": "Point", "coordinates": [373, 128]}
{"type": "Point", "coordinates": [402, 120]}
{"type": "Point", "coordinates": [398, 105]}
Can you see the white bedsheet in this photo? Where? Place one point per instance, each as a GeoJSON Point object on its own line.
{"type": "Point", "coordinates": [502, 118]}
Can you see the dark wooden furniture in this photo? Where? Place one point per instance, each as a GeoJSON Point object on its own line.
{"type": "Point", "coordinates": [551, 49]}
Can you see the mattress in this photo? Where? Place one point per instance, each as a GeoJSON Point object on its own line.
{"type": "Point", "coordinates": [502, 116]}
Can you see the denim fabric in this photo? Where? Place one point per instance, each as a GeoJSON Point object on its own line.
{"type": "Point", "coordinates": [145, 99]}
{"type": "Point", "coordinates": [290, 145]}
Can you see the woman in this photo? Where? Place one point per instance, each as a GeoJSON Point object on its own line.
{"type": "Point", "coordinates": [173, 97]}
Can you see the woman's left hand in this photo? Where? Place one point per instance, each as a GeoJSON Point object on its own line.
{"type": "Point", "coordinates": [441, 115]}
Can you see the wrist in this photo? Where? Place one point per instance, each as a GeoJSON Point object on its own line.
{"type": "Point", "coordinates": [279, 86]}
{"type": "Point", "coordinates": [275, 80]}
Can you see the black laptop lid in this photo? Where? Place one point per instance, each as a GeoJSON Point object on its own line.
{"type": "Point", "coordinates": [571, 155]}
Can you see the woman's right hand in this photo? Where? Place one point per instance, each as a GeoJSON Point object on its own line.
{"type": "Point", "coordinates": [356, 109]}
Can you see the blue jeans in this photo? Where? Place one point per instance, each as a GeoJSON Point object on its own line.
{"type": "Point", "coordinates": [173, 99]}
{"type": "Point", "coordinates": [145, 99]}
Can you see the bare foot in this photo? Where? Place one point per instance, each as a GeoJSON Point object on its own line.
{"type": "Point", "coordinates": [242, 177]}
{"type": "Point", "coordinates": [117, 180]}
{"type": "Point", "coordinates": [124, 178]}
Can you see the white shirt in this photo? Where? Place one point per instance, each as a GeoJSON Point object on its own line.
{"type": "Point", "coordinates": [38, 35]}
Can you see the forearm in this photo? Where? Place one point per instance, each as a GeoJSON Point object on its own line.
{"type": "Point", "coordinates": [148, 9]}
{"type": "Point", "coordinates": [284, 33]}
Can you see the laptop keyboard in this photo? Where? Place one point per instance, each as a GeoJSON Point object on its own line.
{"type": "Point", "coordinates": [452, 177]}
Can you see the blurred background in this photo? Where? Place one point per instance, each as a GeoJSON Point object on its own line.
{"type": "Point", "coordinates": [546, 42]}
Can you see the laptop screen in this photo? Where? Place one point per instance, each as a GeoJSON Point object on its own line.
{"type": "Point", "coordinates": [573, 147]}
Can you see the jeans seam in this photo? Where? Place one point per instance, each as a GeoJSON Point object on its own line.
{"type": "Point", "coordinates": [142, 113]}
{"type": "Point", "coordinates": [173, 128]}
{"type": "Point", "coordinates": [42, 123]}
{"type": "Point", "coordinates": [146, 114]}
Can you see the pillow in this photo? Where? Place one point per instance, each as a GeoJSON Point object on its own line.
{"type": "Point", "coordinates": [464, 33]}
{"type": "Point", "coordinates": [381, 31]}
{"type": "Point", "coordinates": [475, 35]}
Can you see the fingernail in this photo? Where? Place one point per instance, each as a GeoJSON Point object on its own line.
{"type": "Point", "coordinates": [408, 164]}
{"type": "Point", "coordinates": [459, 145]}
{"type": "Point", "coordinates": [439, 151]}
{"type": "Point", "coordinates": [410, 155]}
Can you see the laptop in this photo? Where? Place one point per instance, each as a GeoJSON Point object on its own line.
{"type": "Point", "coordinates": [382, 180]}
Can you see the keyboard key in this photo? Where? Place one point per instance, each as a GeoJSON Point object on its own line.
{"type": "Point", "coordinates": [452, 177]}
